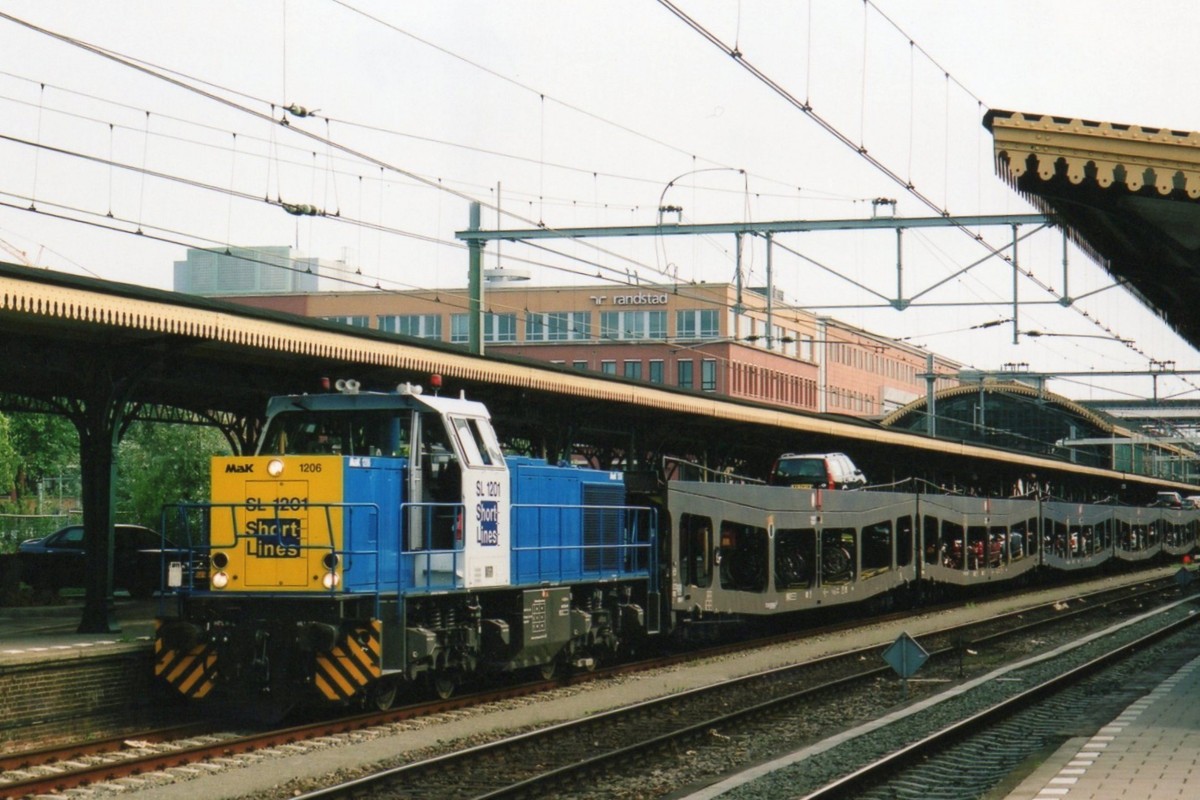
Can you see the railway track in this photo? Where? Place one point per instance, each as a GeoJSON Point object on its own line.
{"type": "Point", "coordinates": [141, 754]}
{"type": "Point", "coordinates": [971, 749]}
{"type": "Point", "coordinates": [672, 739]}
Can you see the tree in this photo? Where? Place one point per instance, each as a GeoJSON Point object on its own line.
{"type": "Point", "coordinates": [10, 462]}
{"type": "Point", "coordinates": [159, 464]}
{"type": "Point", "coordinates": [46, 445]}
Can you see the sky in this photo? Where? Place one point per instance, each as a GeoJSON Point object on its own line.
{"type": "Point", "coordinates": [131, 131]}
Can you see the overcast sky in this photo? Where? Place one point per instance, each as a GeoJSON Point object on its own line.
{"type": "Point", "coordinates": [588, 114]}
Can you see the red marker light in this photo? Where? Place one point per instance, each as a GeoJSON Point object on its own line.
{"type": "Point", "coordinates": [435, 381]}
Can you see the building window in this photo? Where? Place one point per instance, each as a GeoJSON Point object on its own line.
{"type": "Point", "coordinates": [789, 342]}
{"type": "Point", "coordinates": [535, 327]}
{"type": "Point", "coordinates": [697, 323]}
{"type": "Point", "coordinates": [499, 327]}
{"type": "Point", "coordinates": [558, 326]}
{"type": "Point", "coordinates": [806, 348]}
{"type": "Point", "coordinates": [633, 369]}
{"type": "Point", "coordinates": [496, 328]}
{"type": "Point", "coordinates": [685, 373]}
{"type": "Point", "coordinates": [580, 365]}
{"type": "Point", "coordinates": [656, 371]}
{"type": "Point", "coordinates": [708, 375]}
{"type": "Point", "coordinates": [422, 326]}
{"type": "Point", "coordinates": [460, 331]}
{"type": "Point", "coordinates": [633, 324]}
{"type": "Point", "coordinates": [578, 325]}
{"type": "Point", "coordinates": [608, 367]}
{"type": "Point", "coordinates": [355, 321]}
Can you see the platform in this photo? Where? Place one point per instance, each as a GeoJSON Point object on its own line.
{"type": "Point", "coordinates": [50, 632]}
{"type": "Point", "coordinates": [1151, 751]}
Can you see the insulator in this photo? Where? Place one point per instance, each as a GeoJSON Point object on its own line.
{"type": "Point", "coordinates": [302, 209]}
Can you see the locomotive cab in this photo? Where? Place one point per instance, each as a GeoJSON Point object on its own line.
{"type": "Point", "coordinates": [355, 491]}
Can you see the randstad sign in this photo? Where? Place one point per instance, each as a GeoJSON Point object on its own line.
{"type": "Point", "coordinates": [639, 299]}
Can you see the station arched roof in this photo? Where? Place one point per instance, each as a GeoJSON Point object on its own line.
{"type": "Point", "coordinates": [899, 418]}
{"type": "Point", "coordinates": [1014, 416]}
{"type": "Point", "coordinates": [1017, 416]}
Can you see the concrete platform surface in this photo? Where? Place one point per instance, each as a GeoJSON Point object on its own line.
{"type": "Point", "coordinates": [50, 632]}
{"type": "Point", "coordinates": [1151, 751]}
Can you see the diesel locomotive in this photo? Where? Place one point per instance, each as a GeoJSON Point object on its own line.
{"type": "Point", "coordinates": [381, 541]}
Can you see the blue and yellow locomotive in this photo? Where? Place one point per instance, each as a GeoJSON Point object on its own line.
{"type": "Point", "coordinates": [380, 539]}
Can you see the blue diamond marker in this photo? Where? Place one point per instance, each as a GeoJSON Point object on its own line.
{"type": "Point", "coordinates": [905, 656]}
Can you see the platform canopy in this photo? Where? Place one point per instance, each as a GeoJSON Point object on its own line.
{"type": "Point", "coordinates": [1128, 194]}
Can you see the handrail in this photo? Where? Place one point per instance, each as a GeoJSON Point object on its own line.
{"type": "Point", "coordinates": [721, 475]}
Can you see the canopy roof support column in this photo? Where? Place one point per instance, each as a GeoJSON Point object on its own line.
{"type": "Point", "coordinates": [100, 417]}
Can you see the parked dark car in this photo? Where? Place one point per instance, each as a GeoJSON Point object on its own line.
{"type": "Point", "coordinates": [58, 561]}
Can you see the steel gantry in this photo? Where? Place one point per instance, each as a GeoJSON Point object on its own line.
{"type": "Point", "coordinates": [476, 239]}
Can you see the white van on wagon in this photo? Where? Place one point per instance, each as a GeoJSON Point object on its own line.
{"type": "Point", "coordinates": [816, 471]}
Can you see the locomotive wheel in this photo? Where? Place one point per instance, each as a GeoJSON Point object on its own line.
{"type": "Point", "coordinates": [383, 693]}
{"type": "Point", "coordinates": [444, 686]}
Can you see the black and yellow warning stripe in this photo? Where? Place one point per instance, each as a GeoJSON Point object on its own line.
{"type": "Point", "coordinates": [354, 662]}
{"type": "Point", "coordinates": [192, 672]}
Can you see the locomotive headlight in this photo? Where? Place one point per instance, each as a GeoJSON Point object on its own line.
{"type": "Point", "coordinates": [331, 580]}
{"type": "Point", "coordinates": [220, 560]}
{"type": "Point", "coordinates": [274, 467]}
{"type": "Point", "coordinates": [220, 580]}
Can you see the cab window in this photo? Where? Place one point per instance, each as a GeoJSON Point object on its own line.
{"type": "Point", "coordinates": [366, 433]}
{"type": "Point", "coordinates": [477, 441]}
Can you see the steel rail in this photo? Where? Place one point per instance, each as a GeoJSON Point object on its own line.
{"type": "Point", "coordinates": [512, 750]}
{"type": "Point", "coordinates": [854, 784]}
{"type": "Point", "coordinates": [142, 764]}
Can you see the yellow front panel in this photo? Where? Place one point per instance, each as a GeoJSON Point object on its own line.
{"type": "Point", "coordinates": [276, 529]}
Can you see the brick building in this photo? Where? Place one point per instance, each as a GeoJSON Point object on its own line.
{"type": "Point", "coordinates": [707, 337]}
